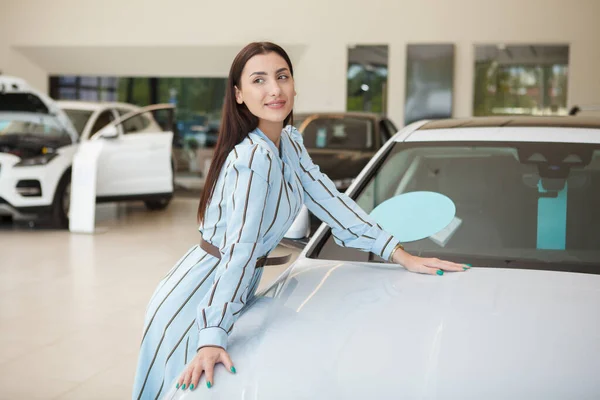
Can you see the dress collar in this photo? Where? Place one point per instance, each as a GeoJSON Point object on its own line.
{"type": "Point", "coordinates": [277, 151]}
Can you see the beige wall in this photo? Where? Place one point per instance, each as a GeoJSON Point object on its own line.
{"type": "Point", "coordinates": [200, 37]}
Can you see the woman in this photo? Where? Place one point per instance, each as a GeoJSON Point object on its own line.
{"type": "Point", "coordinates": [260, 176]}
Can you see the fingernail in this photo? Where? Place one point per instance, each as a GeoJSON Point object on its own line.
{"type": "Point", "coordinates": [208, 384]}
{"type": "Point", "coordinates": [183, 387]}
{"type": "Point", "coordinates": [468, 265]}
{"type": "Point", "coordinates": [465, 268]}
{"type": "Point", "coordinates": [192, 386]}
{"type": "Point", "coordinates": [233, 370]}
{"type": "Point", "coordinates": [440, 272]}
{"type": "Point", "coordinates": [177, 386]}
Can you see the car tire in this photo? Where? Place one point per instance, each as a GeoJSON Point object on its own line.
{"type": "Point", "coordinates": [158, 204]}
{"type": "Point", "coordinates": [61, 202]}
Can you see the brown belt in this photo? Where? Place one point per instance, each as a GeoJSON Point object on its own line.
{"type": "Point", "coordinates": [260, 262]}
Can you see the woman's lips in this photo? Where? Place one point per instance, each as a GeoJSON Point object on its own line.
{"type": "Point", "coordinates": [276, 104]}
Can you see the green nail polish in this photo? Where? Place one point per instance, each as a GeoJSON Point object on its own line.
{"type": "Point", "coordinates": [208, 384]}
{"type": "Point", "coordinates": [192, 386]}
{"type": "Point", "coordinates": [233, 370]}
{"type": "Point", "coordinates": [183, 387]}
{"type": "Point", "coordinates": [465, 268]}
{"type": "Point", "coordinates": [440, 272]}
{"type": "Point", "coordinates": [177, 386]}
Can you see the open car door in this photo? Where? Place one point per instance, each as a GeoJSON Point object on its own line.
{"type": "Point", "coordinates": [135, 160]}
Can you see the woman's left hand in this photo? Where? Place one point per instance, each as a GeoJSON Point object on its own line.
{"type": "Point", "coordinates": [432, 266]}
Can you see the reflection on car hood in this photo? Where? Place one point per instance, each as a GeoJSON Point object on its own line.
{"type": "Point", "coordinates": [359, 331]}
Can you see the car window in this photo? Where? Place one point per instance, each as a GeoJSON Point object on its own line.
{"type": "Point", "coordinates": [514, 201]}
{"type": "Point", "coordinates": [130, 126]}
{"type": "Point", "coordinates": [79, 118]}
{"type": "Point", "coordinates": [103, 119]}
{"type": "Point", "coordinates": [347, 133]}
{"type": "Point", "coordinates": [134, 124]}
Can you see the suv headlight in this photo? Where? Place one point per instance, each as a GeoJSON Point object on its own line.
{"type": "Point", "coordinates": [37, 160]}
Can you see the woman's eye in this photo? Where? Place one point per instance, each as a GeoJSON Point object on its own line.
{"type": "Point", "coordinates": [283, 76]}
{"type": "Point", "coordinates": [259, 80]}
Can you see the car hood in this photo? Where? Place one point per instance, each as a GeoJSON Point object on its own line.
{"type": "Point", "coordinates": [359, 331]}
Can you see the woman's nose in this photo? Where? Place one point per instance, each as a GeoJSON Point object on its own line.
{"type": "Point", "coordinates": [275, 89]}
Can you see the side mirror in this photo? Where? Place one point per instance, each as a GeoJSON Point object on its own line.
{"type": "Point", "coordinates": [300, 228]}
{"type": "Point", "coordinates": [108, 132]}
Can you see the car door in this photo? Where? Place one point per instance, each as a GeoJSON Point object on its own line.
{"type": "Point", "coordinates": [137, 161]}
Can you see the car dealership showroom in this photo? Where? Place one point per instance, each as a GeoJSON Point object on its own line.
{"type": "Point", "coordinates": [349, 199]}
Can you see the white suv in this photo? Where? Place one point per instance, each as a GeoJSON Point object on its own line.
{"type": "Point", "coordinates": [39, 138]}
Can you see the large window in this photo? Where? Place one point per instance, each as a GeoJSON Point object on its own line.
{"type": "Point", "coordinates": [367, 78]}
{"type": "Point", "coordinates": [524, 79]}
{"type": "Point", "coordinates": [198, 100]}
{"type": "Point", "coordinates": [88, 88]}
{"type": "Point", "coordinates": [429, 81]}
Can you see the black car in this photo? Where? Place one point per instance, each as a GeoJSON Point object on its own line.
{"type": "Point", "coordinates": [341, 144]}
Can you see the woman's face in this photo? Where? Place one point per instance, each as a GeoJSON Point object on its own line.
{"type": "Point", "coordinates": [267, 87]}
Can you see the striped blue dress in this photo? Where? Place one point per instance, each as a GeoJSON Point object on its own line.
{"type": "Point", "coordinates": [258, 194]}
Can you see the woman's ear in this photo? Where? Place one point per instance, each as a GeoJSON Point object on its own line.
{"type": "Point", "coordinates": [238, 95]}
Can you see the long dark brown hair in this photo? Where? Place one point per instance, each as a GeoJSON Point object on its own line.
{"type": "Point", "coordinates": [236, 120]}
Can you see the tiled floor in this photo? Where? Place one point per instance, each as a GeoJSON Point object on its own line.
{"type": "Point", "coordinates": [72, 306]}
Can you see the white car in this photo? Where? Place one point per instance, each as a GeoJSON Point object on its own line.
{"type": "Point", "coordinates": [523, 323]}
{"type": "Point", "coordinates": [38, 142]}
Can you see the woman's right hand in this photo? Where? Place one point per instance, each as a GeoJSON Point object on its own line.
{"type": "Point", "coordinates": [431, 266]}
{"type": "Point", "coordinates": [204, 361]}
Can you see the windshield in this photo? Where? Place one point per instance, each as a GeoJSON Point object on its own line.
{"type": "Point", "coordinates": [27, 125]}
{"type": "Point", "coordinates": [79, 118]}
{"type": "Point", "coordinates": [514, 201]}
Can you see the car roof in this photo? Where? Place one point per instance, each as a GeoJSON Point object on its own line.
{"type": "Point", "coordinates": [568, 129]}
{"type": "Point", "coordinates": [514, 121]}
{"type": "Point", "coordinates": [358, 114]}
{"type": "Point", "coordinates": [93, 105]}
